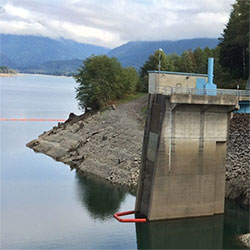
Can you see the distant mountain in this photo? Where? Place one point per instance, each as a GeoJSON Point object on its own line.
{"type": "Point", "coordinates": [36, 54]}
{"type": "Point", "coordinates": [21, 51]}
{"type": "Point", "coordinates": [66, 67]}
{"type": "Point", "coordinates": [136, 53]}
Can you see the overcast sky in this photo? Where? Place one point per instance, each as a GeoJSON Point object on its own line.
{"type": "Point", "coordinates": [110, 23]}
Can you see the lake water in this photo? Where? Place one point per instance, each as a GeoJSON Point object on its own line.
{"type": "Point", "coordinates": [44, 205]}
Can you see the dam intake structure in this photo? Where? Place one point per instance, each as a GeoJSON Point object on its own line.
{"type": "Point", "coordinates": [184, 148]}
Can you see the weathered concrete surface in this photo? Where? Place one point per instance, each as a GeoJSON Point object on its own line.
{"type": "Point", "coordinates": [183, 165]}
{"type": "Point", "coordinates": [224, 101]}
{"type": "Point", "coordinates": [159, 82]}
{"type": "Point", "coordinates": [244, 98]}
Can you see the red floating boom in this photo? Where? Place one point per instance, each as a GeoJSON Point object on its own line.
{"type": "Point", "coordinates": [31, 120]}
{"type": "Point", "coordinates": [117, 216]}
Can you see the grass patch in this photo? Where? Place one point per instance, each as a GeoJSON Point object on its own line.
{"type": "Point", "coordinates": [130, 98]}
{"type": "Point", "coordinates": [126, 99]}
{"type": "Point", "coordinates": [144, 112]}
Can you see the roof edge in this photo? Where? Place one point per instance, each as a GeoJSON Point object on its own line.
{"type": "Point", "coordinates": [176, 73]}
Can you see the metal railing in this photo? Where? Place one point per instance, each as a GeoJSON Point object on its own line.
{"type": "Point", "coordinates": [193, 91]}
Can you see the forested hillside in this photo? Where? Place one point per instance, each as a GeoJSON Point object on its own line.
{"type": "Point", "coordinates": [20, 51]}
{"type": "Point", "coordinates": [136, 53]}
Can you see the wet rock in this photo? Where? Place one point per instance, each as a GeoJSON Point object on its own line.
{"type": "Point", "coordinates": [32, 143]}
{"type": "Point", "coordinates": [245, 239]}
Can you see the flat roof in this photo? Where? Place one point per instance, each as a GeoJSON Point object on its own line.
{"type": "Point", "coordinates": [177, 73]}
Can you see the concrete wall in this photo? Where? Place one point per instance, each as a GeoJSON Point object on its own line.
{"type": "Point", "coordinates": [184, 152]}
{"type": "Point", "coordinates": [158, 82]}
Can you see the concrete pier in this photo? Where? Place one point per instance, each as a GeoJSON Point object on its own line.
{"type": "Point", "coordinates": [184, 152]}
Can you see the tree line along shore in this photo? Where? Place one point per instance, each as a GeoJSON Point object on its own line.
{"type": "Point", "coordinates": [5, 71]}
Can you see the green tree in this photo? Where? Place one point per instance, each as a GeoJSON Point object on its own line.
{"type": "Point", "coordinates": [166, 64]}
{"type": "Point", "coordinates": [5, 69]}
{"type": "Point", "coordinates": [99, 81]}
{"type": "Point", "coordinates": [200, 58]}
{"type": "Point", "coordinates": [187, 63]}
{"type": "Point", "coordinates": [153, 63]}
{"type": "Point", "coordinates": [130, 80]}
{"type": "Point", "coordinates": [176, 61]}
{"type": "Point", "coordinates": [234, 43]}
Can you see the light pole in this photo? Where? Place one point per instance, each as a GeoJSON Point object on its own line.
{"type": "Point", "coordinates": [159, 66]}
{"type": "Point", "coordinates": [159, 59]}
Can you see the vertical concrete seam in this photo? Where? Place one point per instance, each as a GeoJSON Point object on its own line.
{"type": "Point", "coordinates": [144, 154]}
{"type": "Point", "coordinates": [162, 116]}
{"type": "Point", "coordinates": [202, 127]}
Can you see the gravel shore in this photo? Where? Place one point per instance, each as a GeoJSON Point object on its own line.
{"type": "Point", "coordinates": [108, 144]}
{"type": "Point", "coordinates": [7, 74]}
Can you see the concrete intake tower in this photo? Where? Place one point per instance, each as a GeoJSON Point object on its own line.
{"type": "Point", "coordinates": [184, 147]}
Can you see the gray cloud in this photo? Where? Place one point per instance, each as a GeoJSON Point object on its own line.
{"type": "Point", "coordinates": [112, 22]}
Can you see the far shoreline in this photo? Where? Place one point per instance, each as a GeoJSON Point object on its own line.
{"type": "Point", "coordinates": [29, 74]}
{"type": "Point", "coordinates": [37, 74]}
{"type": "Point", "coordinates": [8, 74]}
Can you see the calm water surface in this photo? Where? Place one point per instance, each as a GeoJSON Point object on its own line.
{"type": "Point", "coordinates": [46, 206]}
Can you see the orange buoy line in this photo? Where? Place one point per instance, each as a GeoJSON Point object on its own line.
{"type": "Point", "coordinates": [117, 216]}
{"type": "Point", "coordinates": [31, 120]}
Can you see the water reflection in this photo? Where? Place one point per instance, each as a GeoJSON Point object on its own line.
{"type": "Point", "coordinates": [195, 233]}
{"type": "Point", "coordinates": [236, 222]}
{"type": "Point", "coordinates": [213, 232]}
{"type": "Point", "coordinates": [101, 198]}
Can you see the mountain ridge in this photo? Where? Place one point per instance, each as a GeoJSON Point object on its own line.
{"type": "Point", "coordinates": [146, 48]}
{"type": "Point", "coordinates": [35, 54]}
{"type": "Point", "coordinates": [28, 50]}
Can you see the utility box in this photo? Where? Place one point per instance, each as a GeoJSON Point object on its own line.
{"type": "Point", "coordinates": [160, 81]}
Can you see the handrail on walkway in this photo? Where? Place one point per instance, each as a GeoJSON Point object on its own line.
{"type": "Point", "coordinates": [168, 90]}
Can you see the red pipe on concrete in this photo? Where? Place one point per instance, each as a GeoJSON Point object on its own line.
{"type": "Point", "coordinates": [117, 216]}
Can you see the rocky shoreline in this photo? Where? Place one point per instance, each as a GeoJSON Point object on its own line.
{"type": "Point", "coordinates": [238, 160]}
{"type": "Point", "coordinates": [245, 239]}
{"type": "Point", "coordinates": [108, 144]}
{"type": "Point", "coordinates": [8, 74]}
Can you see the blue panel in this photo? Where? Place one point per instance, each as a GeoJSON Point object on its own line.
{"type": "Point", "coordinates": [244, 107]}
{"type": "Point", "coordinates": [200, 86]}
{"type": "Point", "coordinates": [200, 83]}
